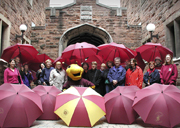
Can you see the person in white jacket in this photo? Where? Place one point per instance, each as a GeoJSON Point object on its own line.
{"type": "Point", "coordinates": [58, 76]}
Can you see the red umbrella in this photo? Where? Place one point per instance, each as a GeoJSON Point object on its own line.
{"type": "Point", "coordinates": [19, 106]}
{"type": "Point", "coordinates": [158, 105]}
{"type": "Point", "coordinates": [79, 50]}
{"type": "Point", "coordinates": [140, 61]}
{"type": "Point", "coordinates": [112, 50]}
{"type": "Point", "coordinates": [96, 58]}
{"type": "Point", "coordinates": [48, 96]}
{"type": "Point", "coordinates": [118, 105]}
{"type": "Point", "coordinates": [150, 51]}
{"type": "Point", "coordinates": [34, 64]}
{"type": "Point", "coordinates": [25, 52]}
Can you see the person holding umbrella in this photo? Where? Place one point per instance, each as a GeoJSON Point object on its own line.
{"type": "Point", "coordinates": [85, 66]}
{"type": "Point", "coordinates": [38, 73]}
{"type": "Point", "coordinates": [58, 76]}
{"type": "Point", "coordinates": [152, 75]}
{"type": "Point", "coordinates": [116, 74]}
{"type": "Point", "coordinates": [44, 77]}
{"type": "Point", "coordinates": [27, 76]}
{"type": "Point", "coordinates": [158, 64]}
{"type": "Point", "coordinates": [134, 75]}
{"type": "Point", "coordinates": [11, 74]}
{"type": "Point", "coordinates": [169, 72]}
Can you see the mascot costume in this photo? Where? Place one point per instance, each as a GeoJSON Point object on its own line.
{"type": "Point", "coordinates": [74, 73]}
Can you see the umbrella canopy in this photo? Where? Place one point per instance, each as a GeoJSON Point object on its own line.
{"type": "Point", "coordinates": [25, 52]}
{"type": "Point", "coordinates": [96, 58]}
{"type": "Point", "coordinates": [112, 50]}
{"type": "Point", "coordinates": [34, 64]}
{"type": "Point", "coordinates": [79, 50]}
{"type": "Point", "coordinates": [48, 96]}
{"type": "Point", "coordinates": [19, 106]}
{"type": "Point", "coordinates": [118, 105]}
{"type": "Point", "coordinates": [158, 105]}
{"type": "Point", "coordinates": [80, 106]}
{"type": "Point", "coordinates": [150, 51]}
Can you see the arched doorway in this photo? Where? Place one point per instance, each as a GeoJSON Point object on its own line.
{"type": "Point", "coordinates": [84, 33]}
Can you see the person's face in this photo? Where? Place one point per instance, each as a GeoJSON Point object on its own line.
{"type": "Point", "coordinates": [151, 66]}
{"type": "Point", "coordinates": [22, 68]}
{"type": "Point", "coordinates": [168, 59]}
{"type": "Point", "coordinates": [117, 63]}
{"type": "Point", "coordinates": [58, 66]}
{"type": "Point", "coordinates": [127, 63]}
{"type": "Point", "coordinates": [26, 67]}
{"type": "Point", "coordinates": [48, 64]}
{"type": "Point", "coordinates": [85, 66]}
{"type": "Point", "coordinates": [42, 66]}
{"type": "Point", "coordinates": [17, 60]}
{"type": "Point", "coordinates": [102, 68]}
{"type": "Point", "coordinates": [157, 62]}
{"type": "Point", "coordinates": [132, 64]}
{"type": "Point", "coordinates": [109, 64]}
{"type": "Point", "coordinates": [94, 66]}
{"type": "Point", "coordinates": [12, 64]}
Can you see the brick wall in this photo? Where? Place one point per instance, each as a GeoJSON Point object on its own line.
{"type": "Point", "coordinates": [21, 12]}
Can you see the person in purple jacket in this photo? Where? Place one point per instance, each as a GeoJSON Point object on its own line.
{"type": "Point", "coordinates": [169, 72]}
{"type": "Point", "coordinates": [74, 73]}
{"type": "Point", "coordinates": [117, 74]}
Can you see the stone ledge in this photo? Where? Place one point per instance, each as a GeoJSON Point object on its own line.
{"type": "Point", "coordinates": [38, 28]}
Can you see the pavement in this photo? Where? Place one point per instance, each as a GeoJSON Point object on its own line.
{"type": "Point", "coordinates": [102, 123]}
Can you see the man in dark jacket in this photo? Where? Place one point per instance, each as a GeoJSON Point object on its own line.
{"type": "Point", "coordinates": [94, 75]}
{"type": "Point", "coordinates": [117, 74]}
{"type": "Point", "coordinates": [44, 76]}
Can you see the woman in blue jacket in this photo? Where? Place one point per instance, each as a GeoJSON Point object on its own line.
{"type": "Point", "coordinates": [152, 75]}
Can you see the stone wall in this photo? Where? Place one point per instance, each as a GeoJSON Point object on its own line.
{"type": "Point", "coordinates": [22, 12]}
{"type": "Point", "coordinates": [59, 20]}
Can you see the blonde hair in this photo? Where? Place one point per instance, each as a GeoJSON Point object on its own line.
{"type": "Point", "coordinates": [103, 65]}
{"type": "Point", "coordinates": [94, 63]}
{"type": "Point", "coordinates": [165, 62]}
{"type": "Point", "coordinates": [48, 60]}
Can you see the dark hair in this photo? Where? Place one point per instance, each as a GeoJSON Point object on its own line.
{"type": "Point", "coordinates": [40, 65]}
{"type": "Point", "coordinates": [85, 64]}
{"type": "Point", "coordinates": [109, 61]}
{"type": "Point", "coordinates": [11, 61]}
{"type": "Point", "coordinates": [134, 61]}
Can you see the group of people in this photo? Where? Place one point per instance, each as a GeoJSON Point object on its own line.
{"type": "Point", "coordinates": [106, 79]}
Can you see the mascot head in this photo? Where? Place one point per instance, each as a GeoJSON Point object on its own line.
{"type": "Point", "coordinates": [74, 71]}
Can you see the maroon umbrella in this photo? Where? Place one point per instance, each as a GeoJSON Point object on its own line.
{"type": "Point", "coordinates": [34, 64]}
{"type": "Point", "coordinates": [19, 106]}
{"type": "Point", "coordinates": [96, 58]}
{"type": "Point", "coordinates": [79, 50]}
{"type": "Point", "coordinates": [158, 105]}
{"type": "Point", "coordinates": [48, 96]}
{"type": "Point", "coordinates": [25, 52]}
{"type": "Point", "coordinates": [150, 51]}
{"type": "Point", "coordinates": [112, 50]}
{"type": "Point", "coordinates": [118, 105]}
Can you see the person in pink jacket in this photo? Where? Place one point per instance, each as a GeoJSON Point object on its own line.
{"type": "Point", "coordinates": [169, 72]}
{"type": "Point", "coordinates": [11, 74]}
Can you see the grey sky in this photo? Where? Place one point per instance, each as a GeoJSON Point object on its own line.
{"type": "Point", "coordinates": [56, 3]}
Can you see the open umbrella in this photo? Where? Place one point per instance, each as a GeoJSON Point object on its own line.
{"type": "Point", "coordinates": [118, 105]}
{"type": "Point", "coordinates": [112, 50]}
{"type": "Point", "coordinates": [79, 50]}
{"type": "Point", "coordinates": [48, 96]}
{"type": "Point", "coordinates": [38, 59]}
{"type": "Point", "coordinates": [150, 51]}
{"type": "Point", "coordinates": [158, 105]}
{"type": "Point", "coordinates": [25, 52]}
{"type": "Point", "coordinates": [19, 105]}
{"type": "Point", "coordinates": [80, 106]}
{"type": "Point", "coordinates": [96, 58]}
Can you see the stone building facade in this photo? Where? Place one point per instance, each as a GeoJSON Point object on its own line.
{"type": "Point", "coordinates": [13, 13]}
{"type": "Point", "coordinates": [165, 14]}
{"type": "Point", "coordinates": [84, 20]}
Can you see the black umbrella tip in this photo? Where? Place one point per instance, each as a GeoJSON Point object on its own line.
{"type": "Point", "coordinates": [47, 92]}
{"type": "Point", "coordinates": [120, 93]}
{"type": "Point", "coordinates": [17, 93]}
{"type": "Point", "coordinates": [161, 91]}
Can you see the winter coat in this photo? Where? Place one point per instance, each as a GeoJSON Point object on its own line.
{"type": "Point", "coordinates": [27, 78]}
{"type": "Point", "coordinates": [117, 74]}
{"type": "Point", "coordinates": [95, 77]}
{"type": "Point", "coordinates": [154, 77]}
{"type": "Point", "coordinates": [44, 76]}
{"type": "Point", "coordinates": [134, 77]}
{"type": "Point", "coordinates": [57, 78]}
{"type": "Point", "coordinates": [169, 74]}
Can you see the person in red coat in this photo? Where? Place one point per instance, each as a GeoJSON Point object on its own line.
{"type": "Point", "coordinates": [134, 75]}
{"type": "Point", "coordinates": [169, 72]}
